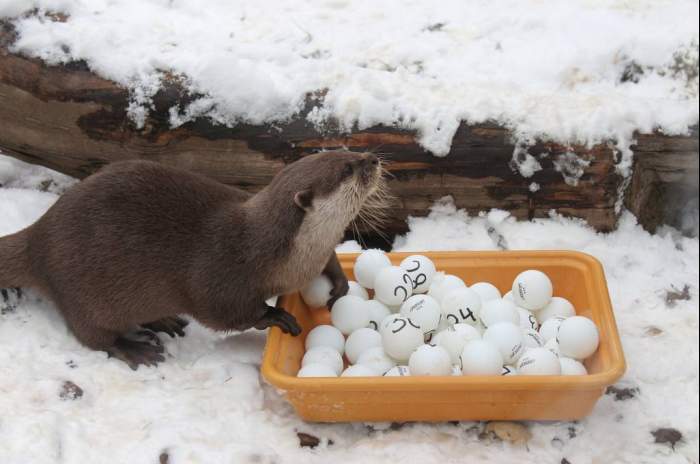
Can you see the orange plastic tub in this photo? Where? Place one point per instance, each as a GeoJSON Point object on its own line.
{"type": "Point", "coordinates": [576, 276]}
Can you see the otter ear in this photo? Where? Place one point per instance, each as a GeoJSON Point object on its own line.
{"type": "Point", "coordinates": [303, 199]}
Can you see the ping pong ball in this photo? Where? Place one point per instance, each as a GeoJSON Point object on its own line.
{"type": "Point", "coordinates": [572, 367]}
{"type": "Point", "coordinates": [454, 338]}
{"type": "Point", "coordinates": [553, 346]}
{"type": "Point", "coordinates": [494, 311]}
{"type": "Point", "coordinates": [392, 285]}
{"type": "Point", "coordinates": [527, 319]}
{"type": "Point", "coordinates": [359, 370]}
{"type": "Point", "coordinates": [317, 293]}
{"type": "Point", "coordinates": [509, 370]}
{"type": "Point", "coordinates": [539, 361]}
{"type": "Point", "coordinates": [424, 310]}
{"type": "Point", "coordinates": [356, 289]}
{"type": "Point", "coordinates": [443, 283]}
{"type": "Point", "coordinates": [421, 269]}
{"type": "Point", "coordinates": [401, 337]}
{"type": "Point", "coordinates": [532, 290]}
{"type": "Point", "coordinates": [508, 295]}
{"type": "Point", "coordinates": [398, 371]}
{"type": "Point", "coordinates": [461, 305]}
{"type": "Point", "coordinates": [350, 313]}
{"type": "Point", "coordinates": [578, 337]}
{"type": "Point", "coordinates": [324, 355]}
{"type": "Point", "coordinates": [481, 358]}
{"type": "Point", "coordinates": [368, 264]}
{"type": "Point", "coordinates": [430, 360]}
{"type": "Point", "coordinates": [316, 370]}
{"type": "Point", "coordinates": [377, 312]}
{"type": "Point", "coordinates": [325, 335]}
{"type": "Point", "coordinates": [558, 306]}
{"type": "Point", "coordinates": [486, 291]}
{"type": "Point", "coordinates": [508, 338]}
{"type": "Point", "coordinates": [376, 359]}
{"type": "Point", "coordinates": [359, 341]}
{"type": "Point", "coordinates": [549, 329]}
{"type": "Point", "coordinates": [531, 339]}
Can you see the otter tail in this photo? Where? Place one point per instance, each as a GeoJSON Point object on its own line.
{"type": "Point", "coordinates": [14, 261]}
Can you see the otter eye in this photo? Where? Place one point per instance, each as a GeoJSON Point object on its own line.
{"type": "Point", "coordinates": [347, 171]}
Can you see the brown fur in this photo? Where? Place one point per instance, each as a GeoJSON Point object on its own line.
{"type": "Point", "coordinates": [139, 243]}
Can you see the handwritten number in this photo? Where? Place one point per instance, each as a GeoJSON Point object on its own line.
{"type": "Point", "coordinates": [400, 328]}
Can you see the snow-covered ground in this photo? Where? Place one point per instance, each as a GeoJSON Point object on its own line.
{"type": "Point", "coordinates": [208, 403]}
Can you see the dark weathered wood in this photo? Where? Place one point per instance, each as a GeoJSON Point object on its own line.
{"type": "Point", "coordinates": [69, 119]}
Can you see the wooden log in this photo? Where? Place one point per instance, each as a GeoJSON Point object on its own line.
{"type": "Point", "coordinates": [71, 120]}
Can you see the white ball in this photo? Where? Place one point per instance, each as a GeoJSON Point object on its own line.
{"type": "Point", "coordinates": [376, 359]}
{"type": "Point", "coordinates": [539, 361]}
{"type": "Point", "coordinates": [549, 329]}
{"type": "Point", "coordinates": [486, 291]}
{"type": "Point", "coordinates": [443, 283]}
{"type": "Point", "coordinates": [531, 339]}
{"type": "Point", "coordinates": [359, 341]}
{"type": "Point", "coordinates": [430, 360]}
{"type": "Point", "coordinates": [572, 367]}
{"type": "Point", "coordinates": [392, 285]}
{"type": "Point", "coordinates": [317, 293]}
{"type": "Point", "coordinates": [553, 346]}
{"type": "Point", "coordinates": [527, 319]}
{"type": "Point", "coordinates": [368, 264]}
{"type": "Point", "coordinates": [481, 358]}
{"type": "Point", "coordinates": [324, 355]}
{"type": "Point", "coordinates": [350, 313]}
{"type": "Point", "coordinates": [509, 370]}
{"type": "Point", "coordinates": [508, 295]}
{"type": "Point", "coordinates": [398, 371]}
{"type": "Point", "coordinates": [558, 306]}
{"type": "Point", "coordinates": [508, 338]}
{"type": "Point", "coordinates": [578, 337]}
{"type": "Point", "coordinates": [386, 323]}
{"type": "Point", "coordinates": [461, 305]}
{"type": "Point", "coordinates": [401, 337]}
{"type": "Point", "coordinates": [532, 290]}
{"type": "Point", "coordinates": [424, 310]}
{"type": "Point", "coordinates": [356, 289]}
{"type": "Point", "coordinates": [325, 335]}
{"type": "Point", "coordinates": [495, 311]}
{"type": "Point", "coordinates": [421, 269]}
{"type": "Point", "coordinates": [454, 338]}
{"type": "Point", "coordinates": [316, 370]}
{"type": "Point", "coordinates": [377, 312]}
{"type": "Point", "coordinates": [359, 370]}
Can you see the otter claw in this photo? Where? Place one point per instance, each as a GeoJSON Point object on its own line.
{"type": "Point", "coordinates": [279, 318]}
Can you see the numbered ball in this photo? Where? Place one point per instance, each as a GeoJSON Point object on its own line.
{"type": "Point", "coordinates": [317, 293]}
{"type": "Point", "coordinates": [549, 329]}
{"type": "Point", "coordinates": [461, 305]}
{"type": "Point", "coordinates": [527, 319]}
{"type": "Point", "coordinates": [392, 285]}
{"type": "Point", "coordinates": [539, 361]}
{"type": "Point", "coordinates": [481, 358]}
{"type": "Point", "coordinates": [316, 370]}
{"type": "Point", "coordinates": [532, 290]}
{"type": "Point", "coordinates": [553, 346]}
{"type": "Point", "coordinates": [359, 341]}
{"type": "Point", "coordinates": [424, 310]}
{"type": "Point", "coordinates": [398, 371]}
{"type": "Point", "coordinates": [325, 335]}
{"type": "Point", "coordinates": [377, 312]}
{"type": "Point", "coordinates": [557, 307]}
{"type": "Point", "coordinates": [532, 339]}
{"type": "Point", "coordinates": [495, 311]}
{"type": "Point", "coordinates": [324, 355]}
{"type": "Point", "coordinates": [443, 283]}
{"type": "Point", "coordinates": [356, 289]}
{"type": "Point", "coordinates": [421, 269]}
{"type": "Point", "coordinates": [507, 338]}
{"type": "Point", "coordinates": [350, 313]}
{"type": "Point", "coordinates": [376, 359]}
{"type": "Point", "coordinates": [454, 338]}
{"type": "Point", "coordinates": [359, 370]}
{"type": "Point", "coordinates": [486, 291]}
{"type": "Point", "coordinates": [430, 360]}
{"type": "Point", "coordinates": [368, 264]}
{"type": "Point", "coordinates": [401, 338]}
{"type": "Point", "coordinates": [578, 337]}
{"type": "Point", "coordinates": [572, 367]}
{"type": "Point", "coordinates": [509, 370]}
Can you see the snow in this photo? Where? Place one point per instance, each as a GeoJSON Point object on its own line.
{"type": "Point", "coordinates": [208, 403]}
{"type": "Point", "coordinates": [580, 71]}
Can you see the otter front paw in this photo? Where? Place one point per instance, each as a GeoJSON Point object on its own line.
{"type": "Point", "coordinates": [340, 288]}
{"type": "Point", "coordinates": [280, 318]}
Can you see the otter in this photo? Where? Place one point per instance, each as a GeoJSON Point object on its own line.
{"type": "Point", "coordinates": [130, 249]}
